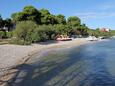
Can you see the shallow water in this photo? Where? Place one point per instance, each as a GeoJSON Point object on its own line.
{"type": "Point", "coordinates": [86, 65]}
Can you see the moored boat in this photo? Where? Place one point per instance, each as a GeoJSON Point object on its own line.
{"type": "Point", "coordinates": [63, 38]}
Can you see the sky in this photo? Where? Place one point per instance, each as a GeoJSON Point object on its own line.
{"type": "Point", "coordinates": [94, 13]}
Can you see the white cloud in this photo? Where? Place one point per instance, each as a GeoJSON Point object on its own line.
{"type": "Point", "coordinates": [100, 11]}
{"type": "Point", "coordinates": [95, 15]}
{"type": "Point", "coordinates": [107, 6]}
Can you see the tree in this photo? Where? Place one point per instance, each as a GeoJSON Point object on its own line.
{"type": "Point", "coordinates": [13, 16]}
{"type": "Point", "coordinates": [8, 23]}
{"type": "Point", "coordinates": [82, 30]}
{"type": "Point", "coordinates": [1, 22]}
{"type": "Point", "coordinates": [48, 30]}
{"type": "Point", "coordinates": [24, 32]}
{"type": "Point", "coordinates": [28, 13]}
{"type": "Point", "coordinates": [97, 29]}
{"type": "Point", "coordinates": [2, 34]}
{"type": "Point", "coordinates": [19, 16]}
{"type": "Point", "coordinates": [46, 17]}
{"type": "Point", "coordinates": [61, 29]}
{"type": "Point", "coordinates": [60, 19]}
{"type": "Point", "coordinates": [32, 14]}
{"type": "Point", "coordinates": [73, 21]}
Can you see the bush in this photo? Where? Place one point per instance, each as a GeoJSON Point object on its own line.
{"type": "Point", "coordinates": [2, 34]}
{"type": "Point", "coordinates": [24, 32]}
{"type": "Point", "coordinates": [48, 31]}
{"type": "Point", "coordinates": [28, 32]}
{"type": "Point", "coordinates": [61, 29]}
{"type": "Point", "coordinates": [8, 34]}
{"type": "Point", "coordinates": [43, 33]}
{"type": "Point", "coordinates": [18, 41]}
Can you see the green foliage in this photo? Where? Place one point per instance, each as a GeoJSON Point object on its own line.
{"type": "Point", "coordinates": [61, 29]}
{"type": "Point", "coordinates": [50, 25]}
{"type": "Point", "coordinates": [46, 17]}
{"type": "Point", "coordinates": [5, 23]}
{"type": "Point", "coordinates": [24, 31]}
{"type": "Point", "coordinates": [98, 33]}
{"type": "Point", "coordinates": [76, 28]}
{"type": "Point", "coordinates": [31, 13]}
{"type": "Point", "coordinates": [91, 32]}
{"type": "Point", "coordinates": [82, 29]}
{"type": "Point", "coordinates": [28, 13]}
{"type": "Point", "coordinates": [1, 22]}
{"type": "Point", "coordinates": [2, 34]}
{"type": "Point", "coordinates": [9, 34]}
{"type": "Point", "coordinates": [60, 19]}
{"type": "Point", "coordinates": [40, 35]}
{"type": "Point", "coordinates": [28, 32]}
{"type": "Point", "coordinates": [19, 42]}
{"type": "Point", "coordinates": [8, 23]}
{"type": "Point", "coordinates": [44, 12]}
{"type": "Point", "coordinates": [73, 21]}
{"type": "Point", "coordinates": [19, 16]}
{"type": "Point", "coordinates": [46, 32]}
{"type": "Point", "coordinates": [112, 32]}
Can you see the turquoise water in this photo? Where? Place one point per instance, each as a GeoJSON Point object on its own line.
{"type": "Point", "coordinates": [87, 65]}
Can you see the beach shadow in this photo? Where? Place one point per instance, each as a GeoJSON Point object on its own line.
{"type": "Point", "coordinates": [44, 73]}
{"type": "Point", "coordinates": [79, 69]}
{"type": "Point", "coordinates": [6, 77]}
{"type": "Point", "coordinates": [48, 42]}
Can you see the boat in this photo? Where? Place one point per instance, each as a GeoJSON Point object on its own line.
{"type": "Point", "coordinates": [92, 38]}
{"type": "Point", "coordinates": [63, 38]}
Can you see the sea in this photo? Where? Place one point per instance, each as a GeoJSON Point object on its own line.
{"type": "Point", "coordinates": [92, 64]}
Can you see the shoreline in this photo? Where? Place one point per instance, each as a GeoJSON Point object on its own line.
{"type": "Point", "coordinates": [60, 45]}
{"type": "Point", "coordinates": [11, 55]}
{"type": "Point", "coordinates": [38, 49]}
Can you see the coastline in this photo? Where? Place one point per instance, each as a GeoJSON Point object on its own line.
{"type": "Point", "coordinates": [11, 55]}
{"type": "Point", "coordinates": [36, 48]}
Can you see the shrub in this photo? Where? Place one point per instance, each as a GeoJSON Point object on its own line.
{"type": "Point", "coordinates": [24, 32]}
{"type": "Point", "coordinates": [8, 34]}
{"type": "Point", "coordinates": [18, 41]}
{"type": "Point", "coordinates": [48, 31]}
{"type": "Point", "coordinates": [43, 33]}
{"type": "Point", "coordinates": [2, 34]}
{"type": "Point", "coordinates": [61, 29]}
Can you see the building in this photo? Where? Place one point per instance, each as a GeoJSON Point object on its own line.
{"type": "Point", "coordinates": [104, 30]}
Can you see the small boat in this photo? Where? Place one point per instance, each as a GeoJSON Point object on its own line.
{"type": "Point", "coordinates": [92, 38]}
{"type": "Point", "coordinates": [63, 38]}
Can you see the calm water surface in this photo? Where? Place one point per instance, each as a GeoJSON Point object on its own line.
{"type": "Point", "coordinates": [87, 65]}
